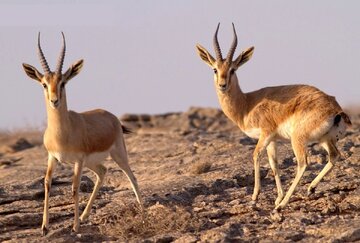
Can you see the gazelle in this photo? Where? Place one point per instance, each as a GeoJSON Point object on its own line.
{"type": "Point", "coordinates": [300, 113]}
{"type": "Point", "coordinates": [83, 139]}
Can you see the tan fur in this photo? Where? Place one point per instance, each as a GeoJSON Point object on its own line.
{"type": "Point", "coordinates": [300, 113]}
{"type": "Point", "coordinates": [83, 139]}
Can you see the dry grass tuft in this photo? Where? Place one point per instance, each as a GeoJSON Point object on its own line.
{"type": "Point", "coordinates": [200, 168]}
{"type": "Point", "coordinates": [128, 222]}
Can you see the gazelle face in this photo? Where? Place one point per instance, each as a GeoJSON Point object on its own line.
{"type": "Point", "coordinates": [53, 82]}
{"type": "Point", "coordinates": [223, 75]}
{"type": "Point", "coordinates": [54, 89]}
{"type": "Point", "coordinates": [224, 69]}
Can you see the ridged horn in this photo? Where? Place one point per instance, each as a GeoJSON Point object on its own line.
{"type": "Point", "coordinates": [233, 47]}
{"type": "Point", "coordinates": [43, 61]}
{"type": "Point", "coordinates": [61, 57]}
{"type": "Point", "coordinates": [217, 46]}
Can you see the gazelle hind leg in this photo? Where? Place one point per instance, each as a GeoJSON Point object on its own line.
{"type": "Point", "coordinates": [100, 171]}
{"type": "Point", "coordinates": [119, 155]}
{"type": "Point", "coordinates": [334, 155]}
{"type": "Point", "coordinates": [299, 148]}
{"type": "Point", "coordinates": [272, 155]}
{"type": "Point", "coordinates": [47, 183]}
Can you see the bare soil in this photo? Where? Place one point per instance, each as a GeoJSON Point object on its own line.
{"type": "Point", "coordinates": [195, 172]}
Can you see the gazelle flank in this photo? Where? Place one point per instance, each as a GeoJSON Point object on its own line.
{"type": "Point", "coordinates": [300, 113]}
{"type": "Point", "coordinates": [83, 139]}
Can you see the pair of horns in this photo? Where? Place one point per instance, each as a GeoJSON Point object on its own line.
{"type": "Point", "coordinates": [230, 55]}
{"type": "Point", "coordinates": [43, 61]}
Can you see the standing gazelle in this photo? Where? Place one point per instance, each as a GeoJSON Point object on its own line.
{"type": "Point", "coordinates": [84, 139]}
{"type": "Point", "coordinates": [300, 113]}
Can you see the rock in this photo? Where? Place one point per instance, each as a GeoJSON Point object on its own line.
{"type": "Point", "coordinates": [351, 235]}
{"type": "Point", "coordinates": [86, 184]}
{"type": "Point", "coordinates": [19, 145]}
{"type": "Point", "coordinates": [188, 238]}
{"type": "Point", "coordinates": [164, 239]}
{"type": "Point", "coordinates": [247, 141]}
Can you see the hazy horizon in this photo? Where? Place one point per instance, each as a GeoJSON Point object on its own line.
{"type": "Point", "coordinates": [140, 56]}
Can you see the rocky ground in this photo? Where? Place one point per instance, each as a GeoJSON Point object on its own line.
{"type": "Point", "coordinates": [195, 172]}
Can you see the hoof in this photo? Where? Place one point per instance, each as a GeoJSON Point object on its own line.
{"type": "Point", "coordinates": [83, 218]}
{"type": "Point", "coordinates": [75, 229]}
{"type": "Point", "coordinates": [276, 216]}
{"type": "Point", "coordinates": [252, 205]}
{"type": "Point", "coordinates": [310, 191]}
{"type": "Point", "coordinates": [44, 231]}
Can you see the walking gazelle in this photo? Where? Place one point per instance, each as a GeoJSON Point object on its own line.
{"type": "Point", "coordinates": [300, 113]}
{"type": "Point", "coordinates": [83, 139]}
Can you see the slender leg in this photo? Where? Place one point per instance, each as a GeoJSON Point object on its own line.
{"type": "Point", "coordinates": [262, 143]}
{"type": "Point", "coordinates": [334, 155]}
{"type": "Point", "coordinates": [119, 155]}
{"type": "Point", "coordinates": [299, 148]}
{"type": "Point", "coordinates": [100, 172]}
{"type": "Point", "coordinates": [271, 152]}
{"type": "Point", "coordinates": [47, 182]}
{"type": "Point", "coordinates": [75, 188]}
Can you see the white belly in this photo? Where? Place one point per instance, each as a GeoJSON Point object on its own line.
{"type": "Point", "coordinates": [77, 157]}
{"type": "Point", "coordinates": [284, 130]}
{"type": "Point", "coordinates": [253, 133]}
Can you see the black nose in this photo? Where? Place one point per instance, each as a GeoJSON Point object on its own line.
{"type": "Point", "coordinates": [55, 102]}
{"type": "Point", "coordinates": [222, 86]}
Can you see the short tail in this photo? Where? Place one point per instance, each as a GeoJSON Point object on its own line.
{"type": "Point", "coordinates": [126, 130]}
{"type": "Point", "coordinates": [344, 116]}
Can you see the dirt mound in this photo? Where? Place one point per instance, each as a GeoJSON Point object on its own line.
{"type": "Point", "coordinates": [193, 120]}
{"type": "Point", "coordinates": [195, 172]}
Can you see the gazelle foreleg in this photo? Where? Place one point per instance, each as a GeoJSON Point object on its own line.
{"type": "Point", "coordinates": [47, 183]}
{"type": "Point", "coordinates": [272, 155]}
{"type": "Point", "coordinates": [262, 143]}
{"type": "Point", "coordinates": [75, 189]}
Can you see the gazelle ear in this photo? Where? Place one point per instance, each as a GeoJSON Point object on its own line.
{"type": "Point", "coordinates": [244, 57]}
{"type": "Point", "coordinates": [73, 70]}
{"type": "Point", "coordinates": [32, 72]}
{"type": "Point", "coordinates": [205, 55]}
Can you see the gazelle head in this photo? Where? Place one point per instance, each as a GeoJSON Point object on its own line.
{"type": "Point", "coordinates": [53, 82]}
{"type": "Point", "coordinates": [224, 69]}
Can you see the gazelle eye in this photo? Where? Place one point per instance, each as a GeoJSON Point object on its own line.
{"type": "Point", "coordinates": [232, 71]}
{"type": "Point", "coordinates": [215, 71]}
{"type": "Point", "coordinates": [44, 85]}
{"type": "Point", "coordinates": [62, 85]}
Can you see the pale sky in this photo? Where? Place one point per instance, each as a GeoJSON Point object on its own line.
{"type": "Point", "coordinates": [140, 55]}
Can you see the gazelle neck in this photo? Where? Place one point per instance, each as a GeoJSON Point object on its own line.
{"type": "Point", "coordinates": [233, 102]}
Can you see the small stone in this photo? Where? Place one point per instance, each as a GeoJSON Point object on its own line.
{"type": "Point", "coordinates": [197, 209]}
{"type": "Point", "coordinates": [235, 202]}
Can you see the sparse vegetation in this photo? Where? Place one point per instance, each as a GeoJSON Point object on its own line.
{"type": "Point", "coordinates": [128, 223]}
{"type": "Point", "coordinates": [200, 168]}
